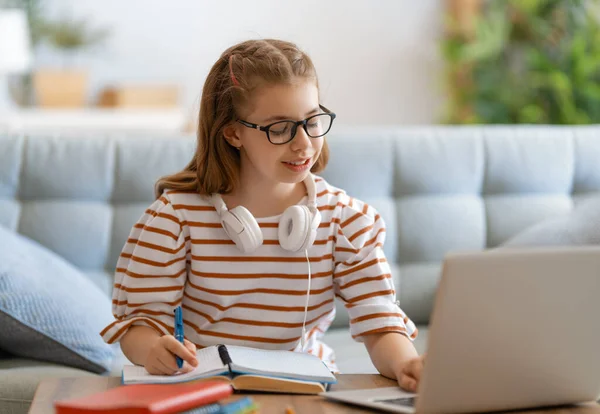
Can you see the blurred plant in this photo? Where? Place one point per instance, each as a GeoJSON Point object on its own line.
{"type": "Point", "coordinates": [528, 61]}
{"type": "Point", "coordinates": [70, 35]}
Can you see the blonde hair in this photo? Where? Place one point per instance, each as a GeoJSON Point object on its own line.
{"type": "Point", "coordinates": [232, 79]}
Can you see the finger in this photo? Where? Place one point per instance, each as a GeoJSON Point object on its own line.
{"type": "Point", "coordinates": [186, 368]}
{"type": "Point", "coordinates": [408, 384]}
{"type": "Point", "coordinates": [177, 348]}
{"type": "Point", "coordinates": [167, 363]}
{"type": "Point", "coordinates": [416, 368]}
{"type": "Point", "coordinates": [189, 345]}
{"type": "Point", "coordinates": [157, 368]}
{"type": "Point", "coordinates": [192, 348]}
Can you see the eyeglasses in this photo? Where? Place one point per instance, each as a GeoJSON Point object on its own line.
{"type": "Point", "coordinates": [282, 132]}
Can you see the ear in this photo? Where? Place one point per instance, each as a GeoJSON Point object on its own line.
{"type": "Point", "coordinates": [230, 133]}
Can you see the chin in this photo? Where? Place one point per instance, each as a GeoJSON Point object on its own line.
{"type": "Point", "coordinates": [291, 178]}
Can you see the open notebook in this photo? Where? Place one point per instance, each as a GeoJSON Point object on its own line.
{"type": "Point", "coordinates": [248, 369]}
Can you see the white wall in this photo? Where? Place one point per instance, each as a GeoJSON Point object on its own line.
{"type": "Point", "coordinates": [377, 60]}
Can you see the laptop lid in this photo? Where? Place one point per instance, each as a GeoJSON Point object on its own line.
{"type": "Point", "coordinates": [514, 328]}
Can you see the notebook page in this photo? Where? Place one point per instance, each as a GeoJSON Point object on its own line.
{"type": "Point", "coordinates": [286, 364]}
{"type": "Point", "coordinates": [209, 363]}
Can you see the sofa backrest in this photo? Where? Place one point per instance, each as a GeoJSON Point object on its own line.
{"type": "Point", "coordinates": [438, 189]}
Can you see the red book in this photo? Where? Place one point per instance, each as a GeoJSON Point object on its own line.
{"type": "Point", "coordinates": [147, 398]}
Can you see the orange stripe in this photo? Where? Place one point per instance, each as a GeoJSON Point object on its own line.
{"type": "Point", "coordinates": [268, 225]}
{"type": "Point", "coordinates": [257, 306]}
{"type": "Point", "coordinates": [330, 206]}
{"type": "Point", "coordinates": [147, 289]}
{"type": "Point", "coordinates": [371, 295]}
{"type": "Point", "coordinates": [351, 219]}
{"type": "Point", "coordinates": [150, 322]}
{"type": "Point", "coordinates": [334, 220]}
{"type": "Point", "coordinates": [365, 280]}
{"type": "Point", "coordinates": [259, 259]}
{"type": "Point", "coordinates": [265, 242]}
{"type": "Point", "coordinates": [381, 230]}
{"type": "Point", "coordinates": [324, 241]}
{"type": "Point", "coordinates": [136, 305]}
{"type": "Point", "coordinates": [322, 225]}
{"type": "Point", "coordinates": [193, 208]}
{"type": "Point", "coordinates": [162, 215]}
{"type": "Point", "coordinates": [260, 275]}
{"type": "Point", "coordinates": [151, 262]}
{"type": "Point", "coordinates": [360, 267]}
{"type": "Point", "coordinates": [141, 276]}
{"type": "Point", "coordinates": [212, 241]}
{"type": "Point", "coordinates": [352, 263]}
{"type": "Point", "coordinates": [375, 316]}
{"type": "Point", "coordinates": [259, 290]}
{"type": "Point", "coordinates": [200, 224]}
{"type": "Point", "coordinates": [155, 230]}
{"type": "Point", "coordinates": [361, 231]}
{"type": "Point", "coordinates": [346, 250]}
{"type": "Point", "coordinates": [249, 321]}
{"type": "Point", "coordinates": [322, 193]}
{"type": "Point", "coordinates": [382, 330]}
{"type": "Point", "coordinates": [242, 337]}
{"type": "Point", "coordinates": [155, 246]}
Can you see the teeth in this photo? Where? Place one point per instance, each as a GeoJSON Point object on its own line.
{"type": "Point", "coordinates": [297, 163]}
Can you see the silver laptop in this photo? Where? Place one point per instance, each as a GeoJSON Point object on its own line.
{"type": "Point", "coordinates": [510, 329]}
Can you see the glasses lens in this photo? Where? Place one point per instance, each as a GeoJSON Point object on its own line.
{"type": "Point", "coordinates": [281, 132]}
{"type": "Point", "coordinates": [318, 125]}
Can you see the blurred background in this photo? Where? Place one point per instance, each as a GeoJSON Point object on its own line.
{"type": "Point", "coordinates": [140, 64]}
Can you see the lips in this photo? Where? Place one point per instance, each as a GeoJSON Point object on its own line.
{"type": "Point", "coordinates": [298, 162]}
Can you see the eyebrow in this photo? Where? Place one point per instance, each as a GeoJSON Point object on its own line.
{"type": "Point", "coordinates": [286, 118]}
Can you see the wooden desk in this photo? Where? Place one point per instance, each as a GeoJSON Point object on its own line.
{"type": "Point", "coordinates": [53, 389]}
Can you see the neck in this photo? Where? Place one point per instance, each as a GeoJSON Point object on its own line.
{"type": "Point", "coordinates": [252, 194]}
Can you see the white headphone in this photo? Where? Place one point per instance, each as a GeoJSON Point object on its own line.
{"type": "Point", "coordinates": [297, 227]}
{"type": "Point", "coordinates": [297, 231]}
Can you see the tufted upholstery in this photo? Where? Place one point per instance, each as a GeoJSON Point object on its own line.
{"type": "Point", "coordinates": [438, 189]}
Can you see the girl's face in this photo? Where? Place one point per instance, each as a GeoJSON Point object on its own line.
{"type": "Point", "coordinates": [260, 159]}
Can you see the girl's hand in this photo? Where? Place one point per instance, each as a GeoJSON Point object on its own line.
{"type": "Point", "coordinates": [409, 373]}
{"type": "Point", "coordinates": [161, 358]}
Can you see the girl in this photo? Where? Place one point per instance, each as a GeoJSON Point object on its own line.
{"type": "Point", "coordinates": [249, 242]}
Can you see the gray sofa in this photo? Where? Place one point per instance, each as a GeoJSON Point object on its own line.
{"type": "Point", "coordinates": [438, 189]}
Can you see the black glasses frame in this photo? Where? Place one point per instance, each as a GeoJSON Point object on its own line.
{"type": "Point", "coordinates": [304, 122]}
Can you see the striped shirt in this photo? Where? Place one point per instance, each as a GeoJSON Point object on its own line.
{"type": "Point", "coordinates": [179, 254]}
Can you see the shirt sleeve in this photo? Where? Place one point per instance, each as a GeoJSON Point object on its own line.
{"type": "Point", "coordinates": [362, 275]}
{"type": "Point", "coordinates": [151, 273]}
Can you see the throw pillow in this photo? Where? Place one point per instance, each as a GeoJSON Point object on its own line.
{"type": "Point", "coordinates": [48, 309]}
{"type": "Point", "coordinates": [581, 227]}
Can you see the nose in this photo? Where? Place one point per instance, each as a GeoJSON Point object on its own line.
{"type": "Point", "coordinates": [301, 141]}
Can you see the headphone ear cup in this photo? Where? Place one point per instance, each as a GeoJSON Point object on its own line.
{"type": "Point", "coordinates": [242, 229]}
{"type": "Point", "coordinates": [295, 228]}
{"type": "Point", "coordinates": [314, 226]}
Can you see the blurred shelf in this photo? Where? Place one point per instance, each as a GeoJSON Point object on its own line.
{"type": "Point", "coordinates": [95, 120]}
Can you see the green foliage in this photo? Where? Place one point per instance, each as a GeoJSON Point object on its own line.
{"type": "Point", "coordinates": [67, 34]}
{"type": "Point", "coordinates": [530, 61]}
{"type": "Point", "coordinates": [71, 34]}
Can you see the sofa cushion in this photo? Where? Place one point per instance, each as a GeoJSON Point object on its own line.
{"type": "Point", "coordinates": [49, 310]}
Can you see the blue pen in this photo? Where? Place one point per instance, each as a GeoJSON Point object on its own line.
{"type": "Point", "coordinates": [179, 331]}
